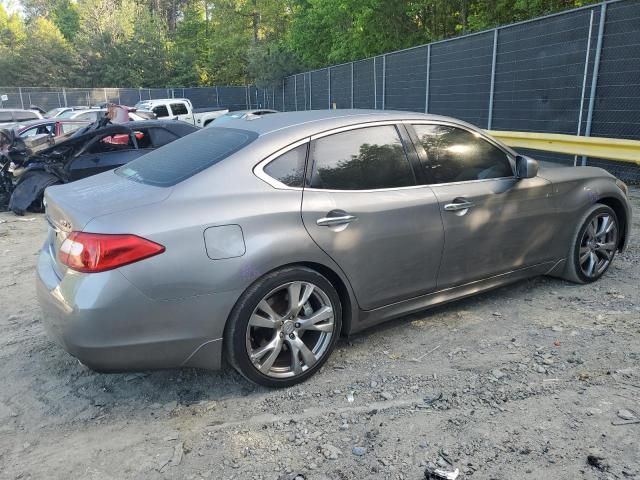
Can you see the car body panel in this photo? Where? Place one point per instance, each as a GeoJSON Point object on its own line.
{"type": "Point", "coordinates": [178, 302]}
{"type": "Point", "coordinates": [399, 238]}
{"type": "Point", "coordinates": [508, 227]}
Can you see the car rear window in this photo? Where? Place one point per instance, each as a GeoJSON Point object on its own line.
{"type": "Point", "coordinates": [187, 156]}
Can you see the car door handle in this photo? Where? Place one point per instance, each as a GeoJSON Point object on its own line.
{"type": "Point", "coordinates": [333, 221]}
{"type": "Point", "coordinates": [457, 206]}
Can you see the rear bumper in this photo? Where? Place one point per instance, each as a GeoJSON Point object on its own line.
{"type": "Point", "coordinates": [109, 325]}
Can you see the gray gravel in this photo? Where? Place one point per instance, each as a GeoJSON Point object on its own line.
{"type": "Point", "coordinates": [540, 379]}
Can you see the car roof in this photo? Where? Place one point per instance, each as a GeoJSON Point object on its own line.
{"type": "Point", "coordinates": [321, 120]}
{"type": "Point", "coordinates": [42, 121]}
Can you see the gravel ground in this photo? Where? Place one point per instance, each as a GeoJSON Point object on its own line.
{"type": "Point", "coordinates": [540, 379]}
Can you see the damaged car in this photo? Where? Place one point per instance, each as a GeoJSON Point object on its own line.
{"type": "Point", "coordinates": [28, 167]}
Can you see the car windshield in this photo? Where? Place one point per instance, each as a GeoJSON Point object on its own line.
{"type": "Point", "coordinates": [187, 156]}
{"type": "Point", "coordinates": [67, 114]}
{"type": "Point", "coordinates": [52, 113]}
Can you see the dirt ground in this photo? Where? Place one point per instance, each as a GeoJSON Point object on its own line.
{"type": "Point", "coordinates": [526, 382]}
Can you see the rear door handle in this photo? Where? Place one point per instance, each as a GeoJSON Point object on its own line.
{"type": "Point", "coordinates": [457, 206]}
{"type": "Point", "coordinates": [333, 221]}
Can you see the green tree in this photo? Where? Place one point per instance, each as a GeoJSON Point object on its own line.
{"type": "Point", "coordinates": [30, 67]}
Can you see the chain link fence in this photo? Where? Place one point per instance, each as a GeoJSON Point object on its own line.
{"type": "Point", "coordinates": [574, 72]}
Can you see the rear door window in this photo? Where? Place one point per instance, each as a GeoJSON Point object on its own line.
{"type": "Point", "coordinates": [187, 156]}
{"type": "Point", "coordinates": [161, 111]}
{"type": "Point", "coordinates": [364, 159]}
{"type": "Point", "coordinates": [179, 109]}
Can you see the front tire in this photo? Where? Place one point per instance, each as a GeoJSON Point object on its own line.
{"type": "Point", "coordinates": [594, 245]}
{"type": "Point", "coordinates": [284, 327]}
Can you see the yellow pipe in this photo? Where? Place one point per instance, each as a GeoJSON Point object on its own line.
{"type": "Point", "coordinates": [618, 149]}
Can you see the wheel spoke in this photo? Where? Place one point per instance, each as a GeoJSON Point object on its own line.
{"type": "Point", "coordinates": [294, 298]}
{"type": "Point", "coordinates": [273, 348]}
{"type": "Point", "coordinates": [584, 254]}
{"type": "Point", "coordinates": [593, 260]}
{"type": "Point", "coordinates": [591, 229]}
{"type": "Point", "coordinates": [300, 349]}
{"type": "Point", "coordinates": [306, 294]}
{"type": "Point", "coordinates": [320, 321]}
{"type": "Point", "coordinates": [263, 322]}
{"type": "Point", "coordinates": [266, 308]}
{"type": "Point", "coordinates": [605, 227]}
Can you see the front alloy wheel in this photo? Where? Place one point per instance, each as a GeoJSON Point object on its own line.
{"type": "Point", "coordinates": [598, 245]}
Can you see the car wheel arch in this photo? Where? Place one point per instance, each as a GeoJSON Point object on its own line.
{"type": "Point", "coordinates": [349, 307]}
{"type": "Point", "coordinates": [618, 207]}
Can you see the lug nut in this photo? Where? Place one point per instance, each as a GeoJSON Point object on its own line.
{"type": "Point", "coordinates": [292, 336]}
{"type": "Point", "coordinates": [297, 325]}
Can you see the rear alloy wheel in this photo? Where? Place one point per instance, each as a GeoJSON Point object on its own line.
{"type": "Point", "coordinates": [595, 245]}
{"type": "Point", "coordinates": [287, 325]}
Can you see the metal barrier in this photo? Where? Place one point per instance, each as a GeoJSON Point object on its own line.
{"type": "Point", "coordinates": [621, 150]}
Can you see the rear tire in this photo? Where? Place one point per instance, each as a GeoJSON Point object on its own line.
{"type": "Point", "coordinates": [284, 327]}
{"type": "Point", "coordinates": [594, 245]}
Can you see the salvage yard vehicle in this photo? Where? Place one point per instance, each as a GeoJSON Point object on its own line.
{"type": "Point", "coordinates": [246, 114]}
{"type": "Point", "coordinates": [89, 151]}
{"type": "Point", "coordinates": [263, 241]}
{"type": "Point", "coordinates": [13, 115]}
{"type": "Point", "coordinates": [48, 126]}
{"type": "Point", "coordinates": [181, 109]}
{"type": "Point", "coordinates": [56, 112]}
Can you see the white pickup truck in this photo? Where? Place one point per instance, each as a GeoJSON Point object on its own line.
{"type": "Point", "coordinates": [181, 109]}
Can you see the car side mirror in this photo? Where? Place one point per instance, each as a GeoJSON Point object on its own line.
{"type": "Point", "coordinates": [526, 167]}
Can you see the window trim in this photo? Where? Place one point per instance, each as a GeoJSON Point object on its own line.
{"type": "Point", "coordinates": [422, 154]}
{"type": "Point", "coordinates": [407, 123]}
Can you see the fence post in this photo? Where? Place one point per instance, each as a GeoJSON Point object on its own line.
{"type": "Point", "coordinates": [375, 86]}
{"type": "Point", "coordinates": [426, 88]}
{"type": "Point", "coordinates": [217, 97]}
{"type": "Point", "coordinates": [493, 78]}
{"type": "Point", "coordinates": [351, 84]}
{"type": "Point", "coordinates": [584, 82]}
{"type": "Point", "coordinates": [304, 84]}
{"type": "Point", "coordinates": [106, 100]}
{"type": "Point", "coordinates": [140, 93]}
{"type": "Point", "coordinates": [310, 96]}
{"type": "Point", "coordinates": [594, 78]}
{"type": "Point", "coordinates": [329, 75]}
{"type": "Point", "coordinates": [384, 79]}
{"type": "Point", "coordinates": [64, 95]}
{"type": "Point", "coordinates": [21, 100]}
{"type": "Point", "coordinates": [295, 91]}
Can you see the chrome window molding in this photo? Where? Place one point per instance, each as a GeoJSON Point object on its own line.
{"type": "Point", "coordinates": [259, 172]}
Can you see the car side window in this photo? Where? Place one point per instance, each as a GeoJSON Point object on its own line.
{"type": "Point", "coordinates": [179, 109]}
{"type": "Point", "coordinates": [160, 137]}
{"type": "Point", "coordinates": [362, 159]}
{"type": "Point", "coordinates": [161, 111]}
{"type": "Point", "coordinates": [288, 168]}
{"type": "Point", "coordinates": [458, 155]}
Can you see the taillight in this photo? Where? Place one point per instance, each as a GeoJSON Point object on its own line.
{"type": "Point", "coordinates": [97, 252]}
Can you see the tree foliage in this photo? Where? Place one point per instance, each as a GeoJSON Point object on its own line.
{"type": "Point", "coordinates": [158, 43]}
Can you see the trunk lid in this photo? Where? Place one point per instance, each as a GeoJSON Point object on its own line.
{"type": "Point", "coordinates": [72, 206]}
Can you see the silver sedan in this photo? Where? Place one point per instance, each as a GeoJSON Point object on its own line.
{"type": "Point", "coordinates": [264, 240]}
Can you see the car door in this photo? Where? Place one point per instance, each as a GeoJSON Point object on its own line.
{"type": "Point", "coordinates": [362, 206]}
{"type": "Point", "coordinates": [493, 222]}
{"type": "Point", "coordinates": [105, 153]}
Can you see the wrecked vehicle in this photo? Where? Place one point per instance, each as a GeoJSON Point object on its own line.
{"type": "Point", "coordinates": [28, 168]}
